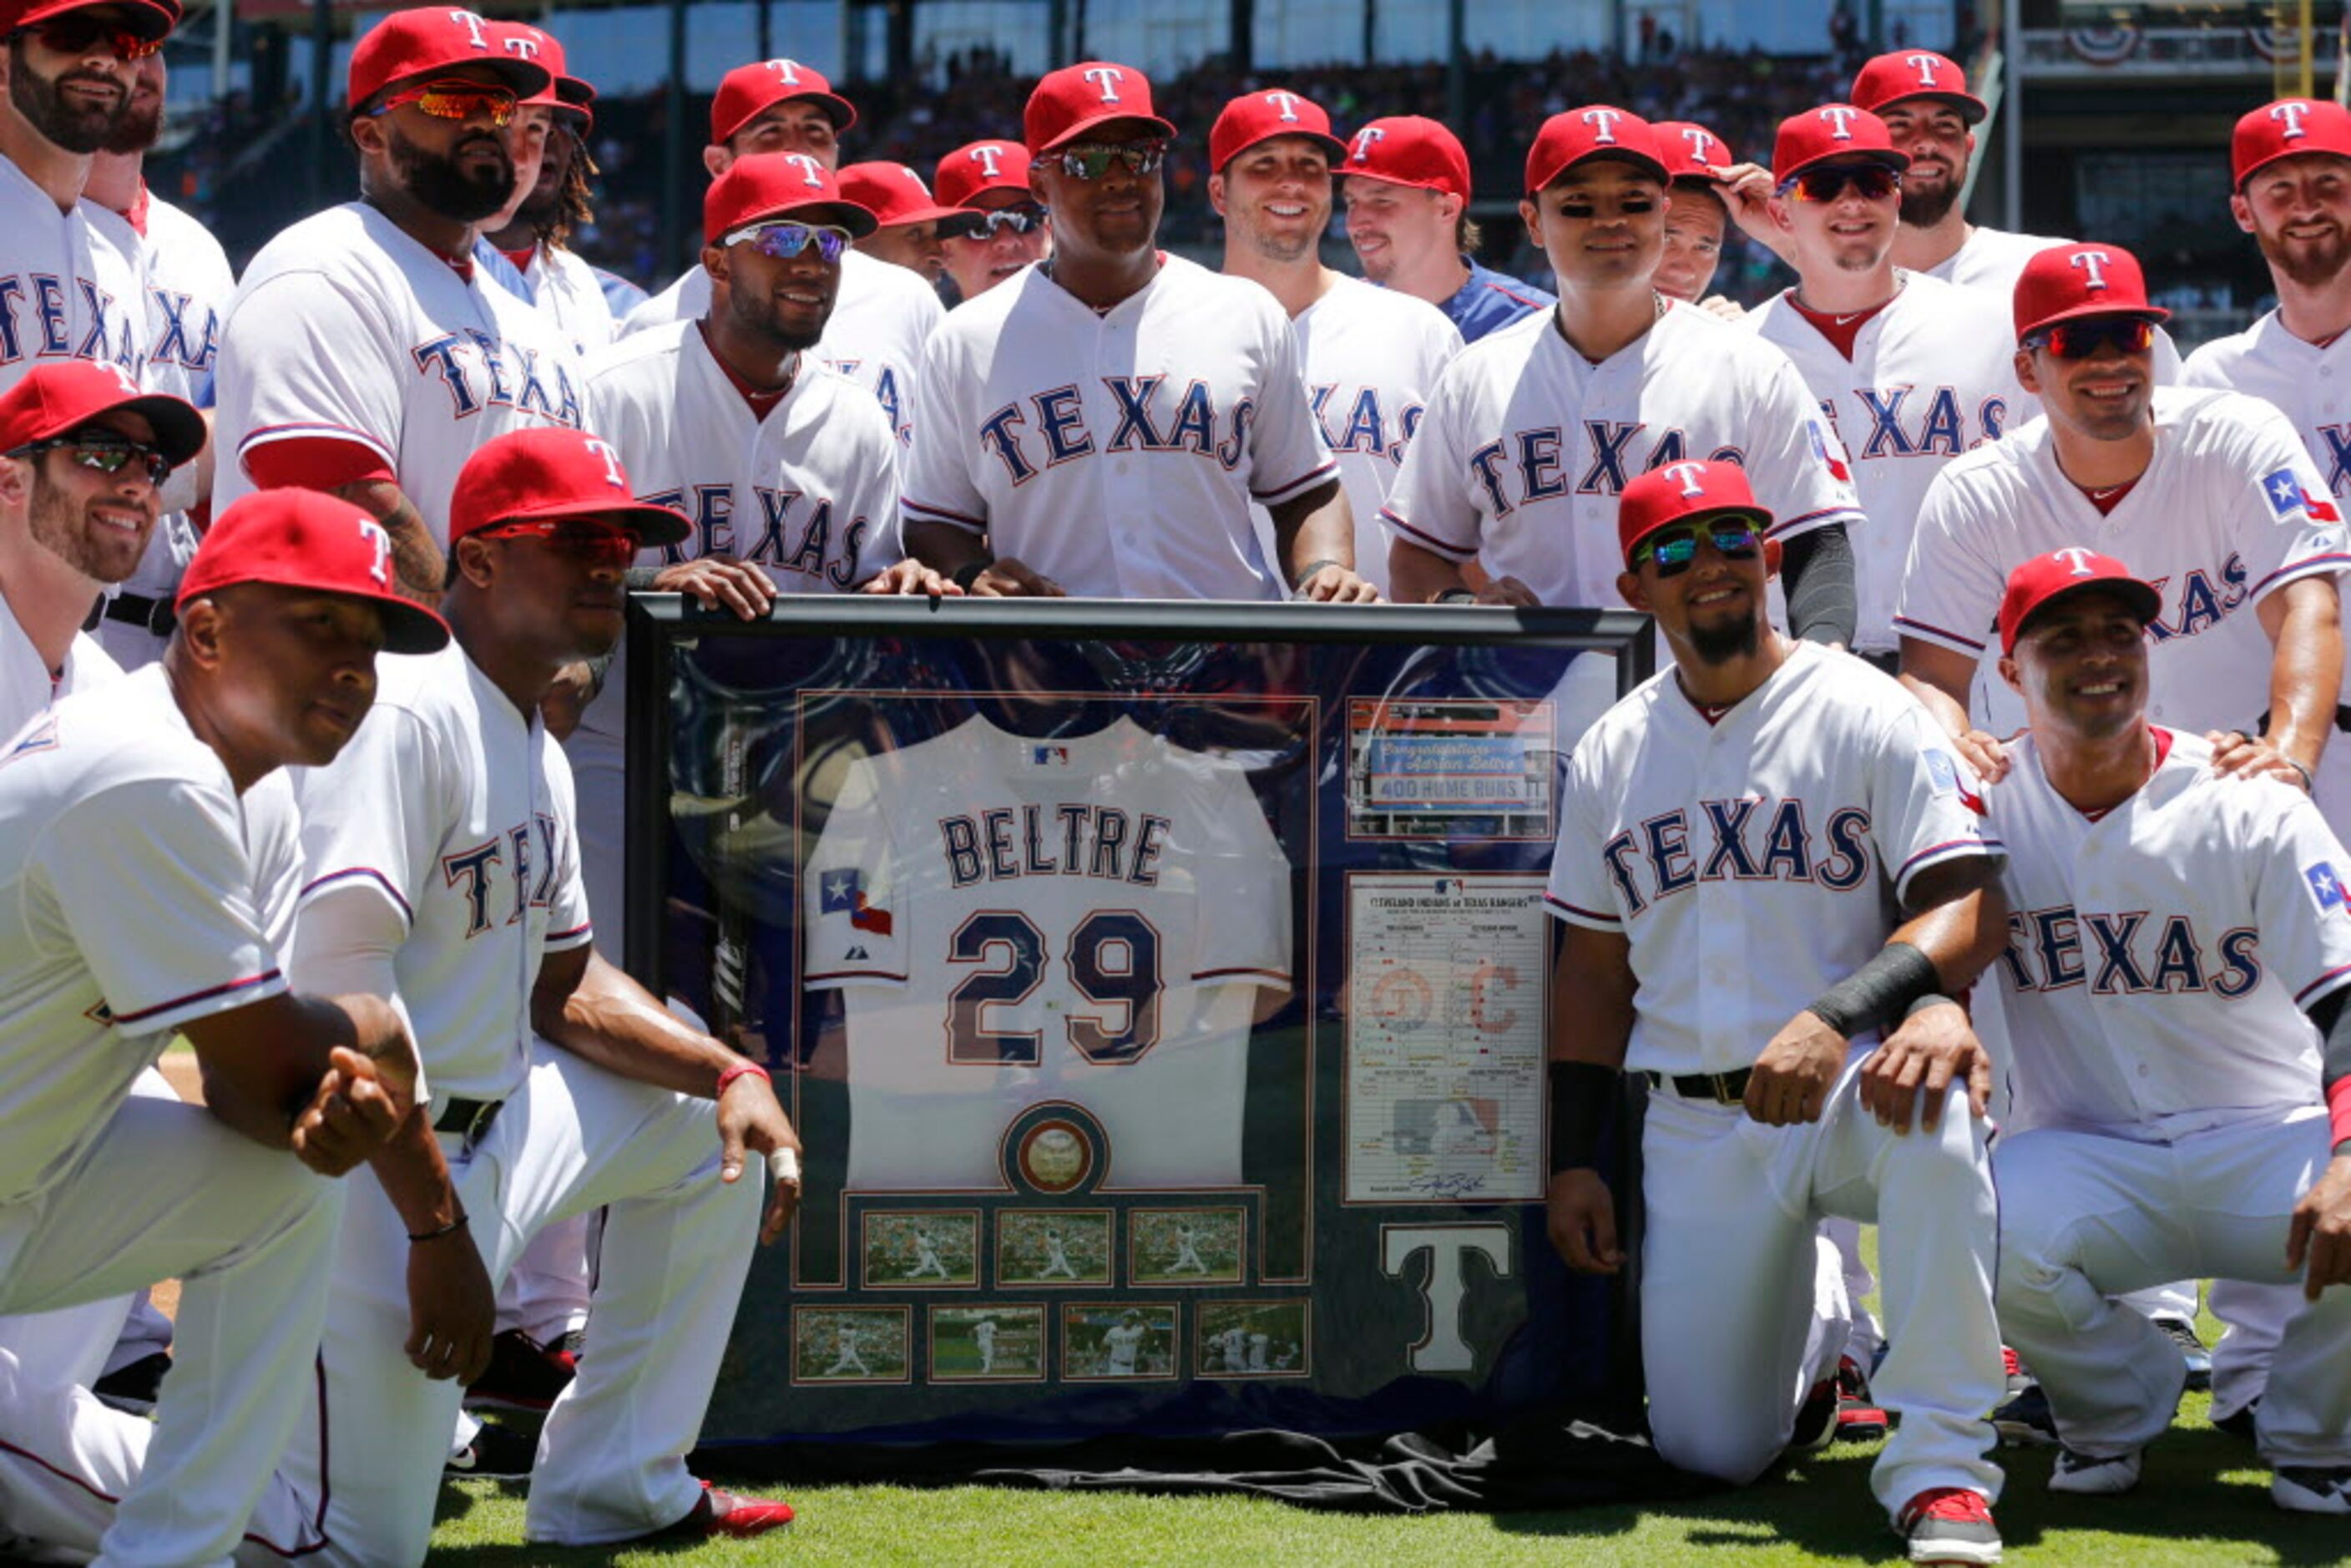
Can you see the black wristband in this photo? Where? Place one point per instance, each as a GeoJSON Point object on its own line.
{"type": "Point", "coordinates": [1582, 1096]}
{"type": "Point", "coordinates": [1932, 999]}
{"type": "Point", "coordinates": [966, 574]}
{"type": "Point", "coordinates": [1457, 596]}
{"type": "Point", "coordinates": [1880, 990]}
{"type": "Point", "coordinates": [451, 1229]}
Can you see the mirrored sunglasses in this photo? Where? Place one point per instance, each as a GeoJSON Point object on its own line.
{"type": "Point", "coordinates": [1870, 182]}
{"type": "Point", "coordinates": [2088, 338]}
{"type": "Point", "coordinates": [1025, 218]}
{"type": "Point", "coordinates": [105, 454]}
{"type": "Point", "coordinates": [786, 240]}
{"type": "Point", "coordinates": [1675, 550]}
{"type": "Point", "coordinates": [1092, 159]}
{"type": "Point", "coordinates": [78, 32]}
{"type": "Point", "coordinates": [595, 542]}
{"type": "Point", "coordinates": [454, 100]}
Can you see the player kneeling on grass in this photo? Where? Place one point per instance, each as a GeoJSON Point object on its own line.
{"type": "Point", "coordinates": [149, 868]}
{"type": "Point", "coordinates": [1734, 838]}
{"type": "Point", "coordinates": [2193, 1098]}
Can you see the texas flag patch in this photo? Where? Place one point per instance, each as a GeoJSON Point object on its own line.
{"type": "Point", "coordinates": [1828, 454]}
{"type": "Point", "coordinates": [842, 891]}
{"type": "Point", "coordinates": [2287, 496]}
{"type": "Point", "coordinates": [2325, 887]}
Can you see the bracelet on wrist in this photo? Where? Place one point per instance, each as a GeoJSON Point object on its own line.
{"type": "Point", "coordinates": [1457, 596]}
{"type": "Point", "coordinates": [741, 1070]}
{"type": "Point", "coordinates": [451, 1229]}
{"type": "Point", "coordinates": [2307, 783]}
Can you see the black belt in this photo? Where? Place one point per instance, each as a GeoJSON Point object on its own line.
{"type": "Point", "coordinates": [156, 615]}
{"type": "Point", "coordinates": [470, 1117]}
{"type": "Point", "coordinates": [1722, 1087]}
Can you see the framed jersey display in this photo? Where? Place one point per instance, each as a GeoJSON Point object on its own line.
{"type": "Point", "coordinates": [1160, 991]}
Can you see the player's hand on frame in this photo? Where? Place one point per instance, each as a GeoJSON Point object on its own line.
{"type": "Point", "coordinates": [1334, 584]}
{"type": "Point", "coordinates": [908, 579]}
{"type": "Point", "coordinates": [2318, 1241]}
{"type": "Point", "coordinates": [752, 1121]}
{"type": "Point", "coordinates": [351, 1116]}
{"type": "Point", "coordinates": [1792, 1080]}
{"type": "Point", "coordinates": [452, 1308]}
{"type": "Point", "coordinates": [1581, 1213]}
{"type": "Point", "coordinates": [1509, 593]}
{"type": "Point", "coordinates": [2236, 755]}
{"type": "Point", "coordinates": [717, 581]}
{"type": "Point", "coordinates": [1934, 1048]}
{"type": "Point", "coordinates": [1008, 579]}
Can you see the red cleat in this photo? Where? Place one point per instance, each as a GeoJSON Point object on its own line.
{"type": "Point", "coordinates": [724, 1513]}
{"type": "Point", "coordinates": [1949, 1525]}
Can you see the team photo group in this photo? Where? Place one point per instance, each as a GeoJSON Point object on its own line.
{"type": "Point", "coordinates": [1972, 871]}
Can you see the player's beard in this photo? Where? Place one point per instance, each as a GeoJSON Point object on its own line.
{"type": "Point", "coordinates": [1924, 206]}
{"type": "Point", "coordinates": [138, 131]}
{"type": "Point", "coordinates": [2310, 264]}
{"type": "Point", "coordinates": [76, 128]}
{"type": "Point", "coordinates": [436, 181]}
{"type": "Point", "coordinates": [1740, 639]}
{"type": "Point", "coordinates": [62, 527]}
{"type": "Point", "coordinates": [755, 313]}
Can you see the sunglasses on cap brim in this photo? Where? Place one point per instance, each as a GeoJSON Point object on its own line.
{"type": "Point", "coordinates": [1673, 551]}
{"type": "Point", "coordinates": [2092, 335]}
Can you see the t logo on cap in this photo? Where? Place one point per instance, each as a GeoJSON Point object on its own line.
{"type": "Point", "coordinates": [1363, 139]}
{"type": "Point", "coordinates": [1603, 123]}
{"type": "Point", "coordinates": [812, 172]}
{"type": "Point", "coordinates": [1925, 64]}
{"type": "Point", "coordinates": [1287, 102]}
{"type": "Point", "coordinates": [473, 24]}
{"type": "Point", "coordinates": [612, 474]}
{"type": "Point", "coordinates": [1701, 143]}
{"type": "Point", "coordinates": [2093, 264]}
{"type": "Point", "coordinates": [380, 542]}
{"type": "Point", "coordinates": [2076, 558]}
{"type": "Point", "coordinates": [1839, 118]}
{"type": "Point", "coordinates": [2291, 114]}
{"type": "Point", "coordinates": [527, 49]}
{"type": "Point", "coordinates": [787, 71]}
{"type": "Point", "coordinates": [1689, 476]}
{"type": "Point", "coordinates": [1106, 77]}
{"type": "Point", "coordinates": [990, 158]}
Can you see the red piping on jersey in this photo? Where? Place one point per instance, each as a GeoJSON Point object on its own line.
{"type": "Point", "coordinates": [1558, 903]}
{"type": "Point", "coordinates": [1328, 466]}
{"type": "Point", "coordinates": [2320, 984]}
{"type": "Point", "coordinates": [1450, 551]}
{"type": "Point", "coordinates": [194, 996]}
{"type": "Point", "coordinates": [368, 872]}
{"type": "Point", "coordinates": [1947, 846]}
{"type": "Point", "coordinates": [2334, 561]}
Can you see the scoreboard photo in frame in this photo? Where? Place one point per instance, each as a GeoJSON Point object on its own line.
{"type": "Point", "coordinates": [1160, 992]}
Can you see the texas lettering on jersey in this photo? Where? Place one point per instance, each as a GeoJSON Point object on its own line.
{"type": "Point", "coordinates": [1357, 421]}
{"type": "Point", "coordinates": [2128, 955]}
{"type": "Point", "coordinates": [1535, 464]}
{"type": "Point", "coordinates": [44, 316]}
{"type": "Point", "coordinates": [1747, 840]}
{"type": "Point", "coordinates": [187, 333]}
{"type": "Point", "coordinates": [1150, 419]}
{"type": "Point", "coordinates": [1911, 422]}
{"type": "Point", "coordinates": [885, 393]}
{"type": "Point", "coordinates": [480, 371]}
{"type": "Point", "coordinates": [521, 863]}
{"type": "Point", "coordinates": [795, 534]}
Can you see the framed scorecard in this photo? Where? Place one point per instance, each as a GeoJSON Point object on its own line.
{"type": "Point", "coordinates": [1160, 991]}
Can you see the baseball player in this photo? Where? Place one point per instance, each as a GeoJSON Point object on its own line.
{"type": "Point", "coordinates": [884, 315]}
{"type": "Point", "coordinates": [906, 216]}
{"type": "Point", "coordinates": [163, 792]}
{"type": "Point", "coordinates": [846, 1359]}
{"type": "Point", "coordinates": [1033, 451]}
{"type": "Point", "coordinates": [67, 287]}
{"type": "Point", "coordinates": [1261, 1345]}
{"type": "Point", "coordinates": [1733, 836]}
{"type": "Point", "coordinates": [2174, 990]}
{"type": "Point", "coordinates": [786, 471]}
{"type": "Point", "coordinates": [1000, 227]}
{"type": "Point", "coordinates": [1187, 1253]}
{"type": "Point", "coordinates": [363, 353]}
{"type": "Point", "coordinates": [1233, 1346]}
{"type": "Point", "coordinates": [534, 232]}
{"type": "Point", "coordinates": [1912, 371]}
{"type": "Point", "coordinates": [926, 1257]}
{"type": "Point", "coordinates": [1122, 1343]}
{"type": "Point", "coordinates": [189, 282]}
{"type": "Point", "coordinates": [1408, 219]}
{"type": "Point", "coordinates": [1057, 1258]}
{"type": "Point", "coordinates": [1371, 356]}
{"type": "Point", "coordinates": [1696, 217]}
{"type": "Point", "coordinates": [1533, 435]}
{"type": "Point", "coordinates": [983, 1334]}
{"type": "Point", "coordinates": [2208, 493]}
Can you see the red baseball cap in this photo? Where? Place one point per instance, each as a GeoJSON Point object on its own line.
{"type": "Point", "coordinates": [1409, 150]}
{"type": "Point", "coordinates": [2060, 572]}
{"type": "Point", "coordinates": [2067, 281]}
{"type": "Point", "coordinates": [1828, 134]}
{"type": "Point", "coordinates": [1069, 102]}
{"type": "Point", "coordinates": [1596, 131]}
{"type": "Point", "coordinates": [893, 193]}
{"type": "Point", "coordinates": [60, 396]}
{"type": "Point", "coordinates": [547, 472]}
{"type": "Point", "coordinates": [977, 167]}
{"type": "Point", "coordinates": [1691, 150]}
{"type": "Point", "coordinates": [433, 38]}
{"type": "Point", "coordinates": [774, 185]}
{"type": "Point", "coordinates": [544, 48]}
{"type": "Point", "coordinates": [1261, 116]}
{"type": "Point", "coordinates": [2284, 128]}
{"type": "Point", "coordinates": [1679, 492]}
{"type": "Point", "coordinates": [746, 90]}
{"type": "Point", "coordinates": [147, 19]}
{"type": "Point", "coordinates": [300, 538]}
{"type": "Point", "coordinates": [1917, 73]}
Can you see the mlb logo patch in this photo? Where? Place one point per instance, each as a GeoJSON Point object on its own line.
{"type": "Point", "coordinates": [2325, 887]}
{"type": "Point", "coordinates": [1049, 756]}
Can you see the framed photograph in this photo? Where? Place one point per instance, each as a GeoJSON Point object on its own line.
{"type": "Point", "coordinates": [1186, 1245]}
{"type": "Point", "coordinates": [1053, 1247]}
{"type": "Point", "coordinates": [851, 1344]}
{"type": "Point", "coordinates": [997, 1344]}
{"type": "Point", "coordinates": [1118, 1342]}
{"type": "Point", "coordinates": [933, 1249]}
{"type": "Point", "coordinates": [1253, 1339]}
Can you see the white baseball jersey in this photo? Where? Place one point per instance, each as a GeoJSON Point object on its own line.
{"type": "Point", "coordinates": [2159, 957]}
{"type": "Point", "coordinates": [1118, 454]}
{"type": "Point", "coordinates": [1120, 1343]}
{"type": "Point", "coordinates": [1234, 1342]}
{"type": "Point", "coordinates": [1527, 445]}
{"type": "Point", "coordinates": [568, 292]}
{"type": "Point", "coordinates": [28, 687]}
{"type": "Point", "coordinates": [346, 328]}
{"type": "Point", "coordinates": [809, 492]}
{"type": "Point", "coordinates": [882, 318]}
{"type": "Point", "coordinates": [1371, 358]}
{"type": "Point", "coordinates": [1750, 861]}
{"type": "Point", "coordinates": [2310, 383]}
{"type": "Point", "coordinates": [1991, 260]}
{"type": "Point", "coordinates": [2230, 511]}
{"type": "Point", "coordinates": [1086, 918]}
{"type": "Point", "coordinates": [1932, 375]}
{"type": "Point", "coordinates": [457, 810]}
{"type": "Point", "coordinates": [68, 289]}
{"type": "Point", "coordinates": [112, 803]}
{"type": "Point", "coordinates": [984, 1332]}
